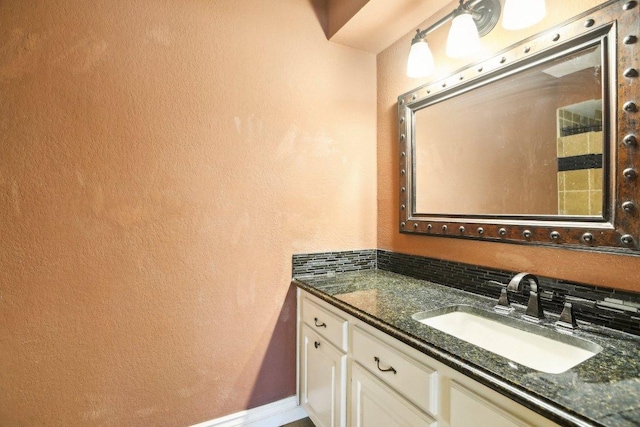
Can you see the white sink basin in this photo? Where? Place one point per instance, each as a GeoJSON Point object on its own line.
{"type": "Point", "coordinates": [527, 344]}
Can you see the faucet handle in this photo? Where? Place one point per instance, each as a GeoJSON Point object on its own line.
{"type": "Point", "coordinates": [503, 302]}
{"type": "Point", "coordinates": [567, 319]}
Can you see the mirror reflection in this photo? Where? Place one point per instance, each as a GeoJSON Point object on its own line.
{"type": "Point", "coordinates": [530, 143]}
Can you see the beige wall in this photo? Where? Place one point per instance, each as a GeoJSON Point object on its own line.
{"type": "Point", "coordinates": [606, 270]}
{"type": "Point", "coordinates": [160, 162]}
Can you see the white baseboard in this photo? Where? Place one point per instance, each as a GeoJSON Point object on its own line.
{"type": "Point", "coordinates": [272, 415]}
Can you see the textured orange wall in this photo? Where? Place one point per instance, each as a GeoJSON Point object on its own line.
{"type": "Point", "coordinates": [616, 271]}
{"type": "Point", "coordinates": [160, 162]}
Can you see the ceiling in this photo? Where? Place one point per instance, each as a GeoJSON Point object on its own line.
{"type": "Point", "coordinates": [374, 25]}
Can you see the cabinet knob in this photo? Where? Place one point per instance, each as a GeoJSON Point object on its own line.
{"type": "Point", "coordinates": [389, 369]}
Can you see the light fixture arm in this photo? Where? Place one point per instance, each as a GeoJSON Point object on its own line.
{"type": "Point", "coordinates": [486, 14]}
{"type": "Point", "coordinates": [422, 34]}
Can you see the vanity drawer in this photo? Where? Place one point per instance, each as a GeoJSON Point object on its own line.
{"type": "Point", "coordinates": [325, 322]}
{"type": "Point", "coordinates": [415, 381]}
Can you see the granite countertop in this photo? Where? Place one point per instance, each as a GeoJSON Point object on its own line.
{"type": "Point", "coordinates": [602, 391]}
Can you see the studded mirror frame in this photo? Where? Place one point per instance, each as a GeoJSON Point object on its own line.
{"type": "Point", "coordinates": [616, 24]}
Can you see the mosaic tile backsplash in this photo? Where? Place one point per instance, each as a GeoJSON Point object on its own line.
{"type": "Point", "coordinates": [334, 262]}
{"type": "Point", "coordinates": [608, 307]}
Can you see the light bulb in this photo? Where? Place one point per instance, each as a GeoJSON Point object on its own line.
{"type": "Point", "coordinates": [519, 14]}
{"type": "Point", "coordinates": [420, 62]}
{"type": "Point", "coordinates": [463, 38]}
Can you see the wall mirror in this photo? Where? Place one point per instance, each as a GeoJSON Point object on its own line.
{"type": "Point", "coordinates": [535, 145]}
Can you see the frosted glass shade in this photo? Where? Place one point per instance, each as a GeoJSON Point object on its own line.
{"type": "Point", "coordinates": [463, 38]}
{"type": "Point", "coordinates": [420, 62]}
{"type": "Point", "coordinates": [519, 14]}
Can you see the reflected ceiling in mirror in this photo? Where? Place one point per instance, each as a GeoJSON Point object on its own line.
{"type": "Point", "coordinates": [536, 144]}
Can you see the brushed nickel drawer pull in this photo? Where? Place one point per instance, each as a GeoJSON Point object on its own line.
{"type": "Point", "coordinates": [321, 325]}
{"type": "Point", "coordinates": [316, 344]}
{"type": "Point", "coordinates": [389, 369]}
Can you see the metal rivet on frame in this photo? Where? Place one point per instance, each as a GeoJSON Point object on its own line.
{"type": "Point", "coordinates": [526, 234]}
{"type": "Point", "coordinates": [402, 224]}
{"type": "Point", "coordinates": [401, 119]}
{"type": "Point", "coordinates": [630, 173]}
{"type": "Point", "coordinates": [630, 39]}
{"type": "Point", "coordinates": [503, 59]}
{"type": "Point", "coordinates": [630, 140]}
{"type": "Point", "coordinates": [461, 77]}
{"type": "Point", "coordinates": [480, 231]}
{"type": "Point", "coordinates": [587, 237]}
{"type": "Point", "coordinates": [480, 69]}
{"type": "Point", "coordinates": [630, 5]}
{"type": "Point", "coordinates": [404, 189]}
{"type": "Point", "coordinates": [627, 239]}
{"type": "Point", "coordinates": [429, 227]}
{"type": "Point", "coordinates": [630, 107]}
{"type": "Point", "coordinates": [428, 90]}
{"type": "Point", "coordinates": [554, 235]}
{"type": "Point", "coordinates": [444, 228]}
{"type": "Point", "coordinates": [527, 49]}
{"type": "Point", "coordinates": [628, 206]}
{"type": "Point", "coordinates": [502, 232]}
{"type": "Point", "coordinates": [444, 84]}
{"type": "Point", "coordinates": [402, 102]}
{"type": "Point", "coordinates": [556, 37]}
{"type": "Point", "coordinates": [415, 225]}
{"type": "Point", "coordinates": [462, 229]}
{"type": "Point", "coordinates": [402, 137]}
{"type": "Point", "coordinates": [630, 72]}
{"type": "Point", "coordinates": [402, 172]}
{"type": "Point", "coordinates": [403, 154]}
{"type": "Point", "coordinates": [403, 207]}
{"type": "Point", "coordinates": [414, 97]}
{"type": "Point", "coordinates": [589, 23]}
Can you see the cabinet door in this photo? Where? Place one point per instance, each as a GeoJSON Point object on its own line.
{"type": "Point", "coordinates": [323, 381]}
{"type": "Point", "coordinates": [469, 409]}
{"type": "Point", "coordinates": [373, 404]}
{"type": "Point", "coordinates": [415, 381]}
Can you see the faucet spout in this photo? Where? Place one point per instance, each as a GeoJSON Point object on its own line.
{"type": "Point", "coordinates": [534, 307]}
{"type": "Point", "coordinates": [516, 283]}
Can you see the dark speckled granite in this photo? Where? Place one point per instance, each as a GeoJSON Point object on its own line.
{"type": "Point", "coordinates": [603, 391]}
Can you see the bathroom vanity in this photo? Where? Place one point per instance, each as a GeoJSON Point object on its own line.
{"type": "Point", "coordinates": [364, 360]}
{"type": "Point", "coordinates": [368, 353]}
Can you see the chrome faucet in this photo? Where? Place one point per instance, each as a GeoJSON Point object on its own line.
{"type": "Point", "coordinates": [534, 307]}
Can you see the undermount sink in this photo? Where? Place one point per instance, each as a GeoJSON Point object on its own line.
{"type": "Point", "coordinates": [530, 345]}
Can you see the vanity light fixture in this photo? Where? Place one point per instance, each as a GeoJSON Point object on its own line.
{"type": "Point", "coordinates": [463, 37]}
{"type": "Point", "coordinates": [420, 62]}
{"type": "Point", "coordinates": [470, 21]}
{"type": "Point", "coordinates": [519, 14]}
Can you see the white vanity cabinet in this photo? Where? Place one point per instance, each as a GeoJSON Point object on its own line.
{"type": "Point", "coordinates": [373, 403]}
{"type": "Point", "coordinates": [351, 373]}
{"type": "Point", "coordinates": [322, 379]}
{"type": "Point", "coordinates": [322, 362]}
{"type": "Point", "coordinates": [387, 387]}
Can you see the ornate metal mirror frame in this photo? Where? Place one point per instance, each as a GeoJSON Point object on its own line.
{"type": "Point", "coordinates": [614, 25]}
